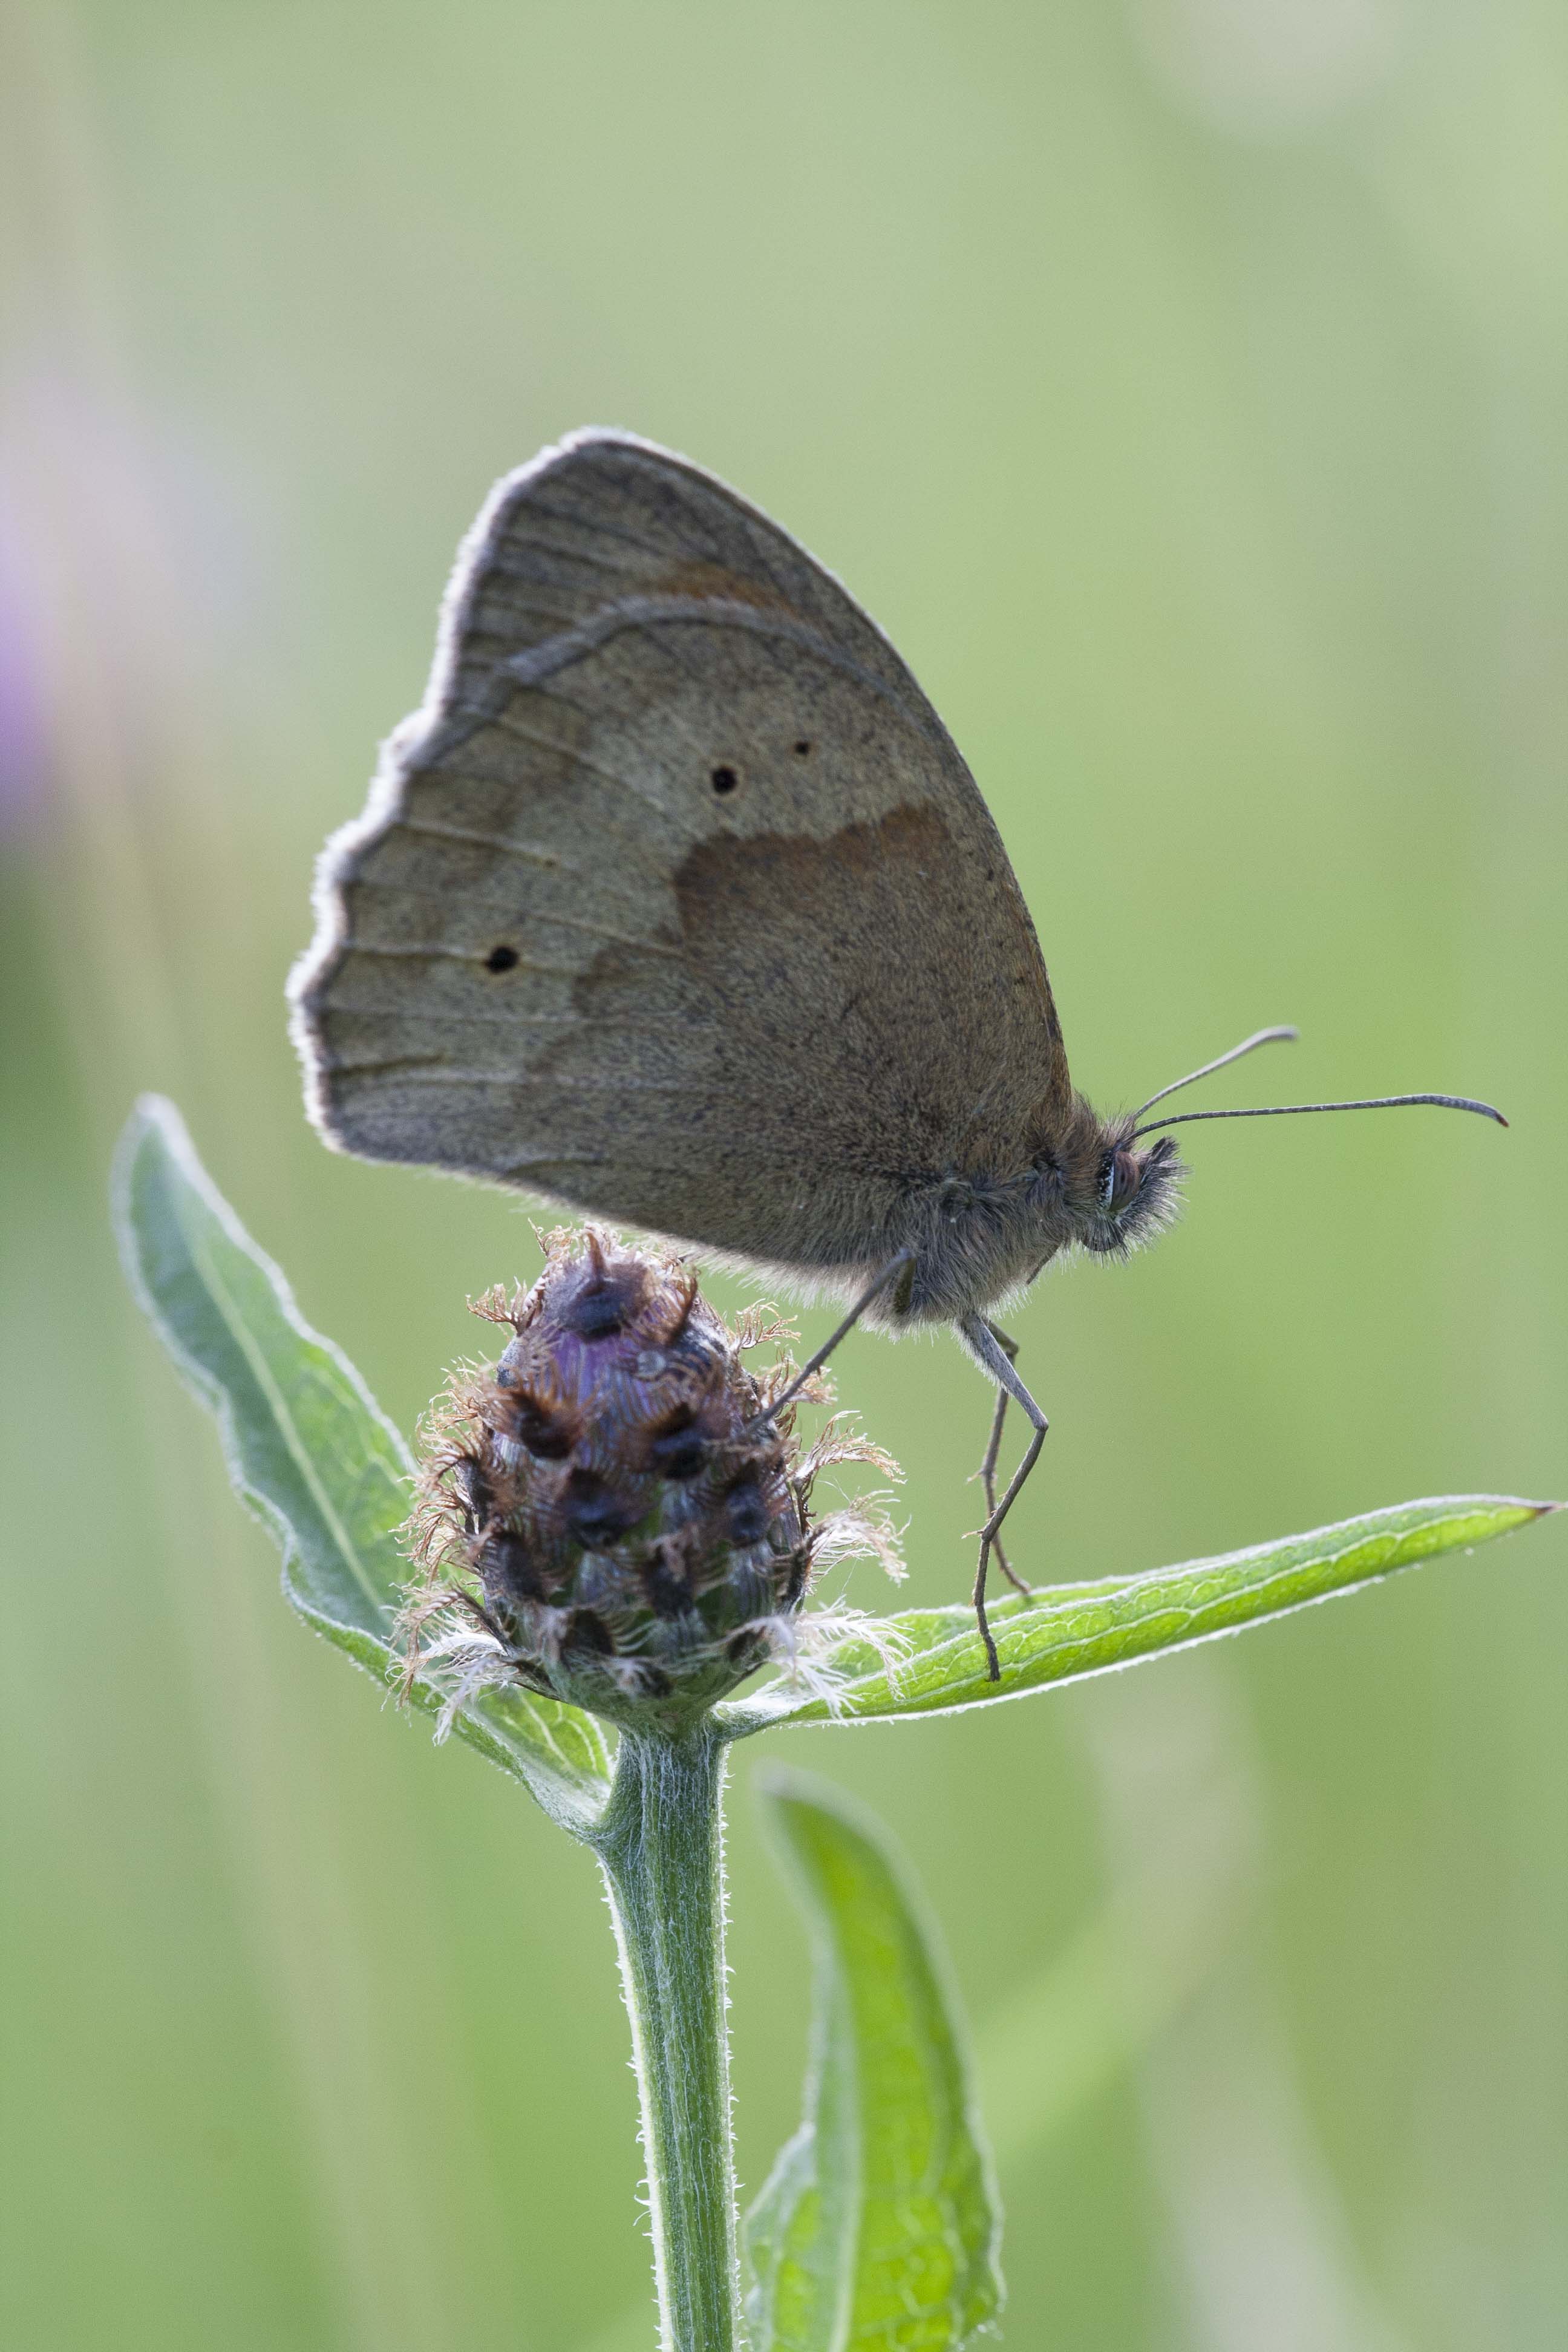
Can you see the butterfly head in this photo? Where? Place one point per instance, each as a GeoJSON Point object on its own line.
{"type": "Point", "coordinates": [1135, 1193]}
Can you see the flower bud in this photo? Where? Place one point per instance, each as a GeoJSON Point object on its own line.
{"type": "Point", "coordinates": [602, 1516]}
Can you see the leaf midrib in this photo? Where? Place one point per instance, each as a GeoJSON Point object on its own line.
{"type": "Point", "coordinates": [283, 1418]}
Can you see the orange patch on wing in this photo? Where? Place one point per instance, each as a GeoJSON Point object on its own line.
{"type": "Point", "coordinates": [710, 582]}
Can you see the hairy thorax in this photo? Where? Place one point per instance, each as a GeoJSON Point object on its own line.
{"type": "Point", "coordinates": [981, 1235]}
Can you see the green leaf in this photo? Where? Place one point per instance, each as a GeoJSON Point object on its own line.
{"type": "Point", "coordinates": [308, 1450]}
{"type": "Point", "coordinates": [1067, 1631]}
{"type": "Point", "coordinates": [878, 2226]}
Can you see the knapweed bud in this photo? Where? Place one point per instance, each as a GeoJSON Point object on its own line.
{"type": "Point", "coordinates": [603, 1516]}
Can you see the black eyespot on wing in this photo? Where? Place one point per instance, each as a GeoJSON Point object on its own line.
{"type": "Point", "coordinates": [802, 748]}
{"type": "Point", "coordinates": [723, 780]}
{"type": "Point", "coordinates": [502, 959]}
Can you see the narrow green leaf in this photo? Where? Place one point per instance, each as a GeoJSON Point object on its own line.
{"type": "Point", "coordinates": [1067, 1631]}
{"type": "Point", "coordinates": [878, 2228]}
{"type": "Point", "coordinates": [307, 1448]}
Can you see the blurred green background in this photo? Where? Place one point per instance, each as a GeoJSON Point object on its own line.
{"type": "Point", "coordinates": [1184, 386]}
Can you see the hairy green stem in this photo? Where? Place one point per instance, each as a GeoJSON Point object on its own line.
{"type": "Point", "coordinates": [660, 1846]}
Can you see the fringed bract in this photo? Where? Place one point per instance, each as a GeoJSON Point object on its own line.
{"type": "Point", "coordinates": [600, 1517]}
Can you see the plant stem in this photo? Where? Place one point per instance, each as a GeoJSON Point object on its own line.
{"type": "Point", "coordinates": [660, 1846]}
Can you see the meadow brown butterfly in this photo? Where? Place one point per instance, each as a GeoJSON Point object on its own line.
{"type": "Point", "coordinates": [675, 902]}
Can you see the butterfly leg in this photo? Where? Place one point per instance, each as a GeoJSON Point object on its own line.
{"type": "Point", "coordinates": [988, 1466]}
{"type": "Point", "coordinates": [899, 1268]}
{"type": "Point", "coordinates": [986, 1345]}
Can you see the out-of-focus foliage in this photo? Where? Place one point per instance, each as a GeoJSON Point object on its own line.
{"type": "Point", "coordinates": [311, 1452]}
{"type": "Point", "coordinates": [879, 2224]}
{"type": "Point", "coordinates": [1183, 388]}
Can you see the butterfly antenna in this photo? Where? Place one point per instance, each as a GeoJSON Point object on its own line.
{"type": "Point", "coordinates": [1295, 1110]}
{"type": "Point", "coordinates": [1248, 1045]}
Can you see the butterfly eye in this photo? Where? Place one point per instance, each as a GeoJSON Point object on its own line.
{"type": "Point", "coordinates": [1119, 1179]}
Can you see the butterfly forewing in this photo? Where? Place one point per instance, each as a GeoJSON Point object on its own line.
{"type": "Point", "coordinates": [675, 901]}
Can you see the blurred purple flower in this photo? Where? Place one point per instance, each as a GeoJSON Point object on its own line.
{"type": "Point", "coordinates": [133, 569]}
{"type": "Point", "coordinates": [24, 737]}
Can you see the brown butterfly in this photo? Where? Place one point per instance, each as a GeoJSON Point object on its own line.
{"type": "Point", "coordinates": [675, 901]}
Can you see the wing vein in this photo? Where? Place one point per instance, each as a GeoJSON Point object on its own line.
{"type": "Point", "coordinates": [524, 851]}
{"type": "Point", "coordinates": [565, 1082]}
{"type": "Point", "coordinates": [468, 1020]}
{"type": "Point", "coordinates": [507, 911]}
{"type": "Point", "coordinates": [455, 955]}
{"type": "Point", "coordinates": [514, 726]}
